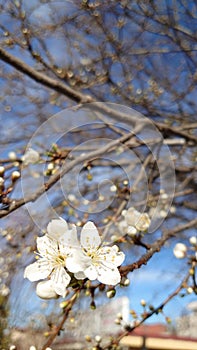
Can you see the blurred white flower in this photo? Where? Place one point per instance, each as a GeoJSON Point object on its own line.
{"type": "Point", "coordinates": [95, 261]}
{"type": "Point", "coordinates": [193, 240]}
{"type": "Point", "coordinates": [12, 155]}
{"type": "Point", "coordinates": [5, 290]}
{"type": "Point", "coordinates": [45, 290]}
{"type": "Point", "coordinates": [30, 157]}
{"type": "Point", "coordinates": [53, 249]}
{"type": "Point", "coordinates": [180, 250]}
{"type": "Point", "coordinates": [136, 221]}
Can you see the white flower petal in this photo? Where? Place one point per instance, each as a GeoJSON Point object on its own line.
{"type": "Point", "coordinates": [60, 280]}
{"type": "Point", "coordinates": [77, 262]}
{"type": "Point", "coordinates": [57, 228]}
{"type": "Point", "coordinates": [108, 276]}
{"type": "Point", "coordinates": [89, 236]}
{"type": "Point", "coordinates": [69, 239]}
{"type": "Point", "coordinates": [111, 255]}
{"type": "Point", "coordinates": [38, 270]}
{"type": "Point", "coordinates": [45, 290]}
{"type": "Point", "coordinates": [46, 246]}
{"type": "Point", "coordinates": [91, 273]}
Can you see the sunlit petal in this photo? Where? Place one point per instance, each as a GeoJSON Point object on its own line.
{"type": "Point", "coordinates": [57, 228]}
{"type": "Point", "coordinates": [38, 270]}
{"type": "Point", "coordinates": [108, 276]}
{"type": "Point", "coordinates": [46, 246]}
{"type": "Point", "coordinates": [89, 236]}
{"type": "Point", "coordinates": [91, 273]}
{"type": "Point", "coordinates": [60, 280]}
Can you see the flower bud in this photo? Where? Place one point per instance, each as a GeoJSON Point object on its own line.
{"type": "Point", "coordinates": [98, 338]}
{"type": "Point", "coordinates": [126, 283]}
{"type": "Point", "coordinates": [45, 290]}
{"type": "Point", "coordinates": [15, 175]}
{"type": "Point", "coordinates": [1, 181]}
{"type": "Point", "coordinates": [193, 240]}
{"type": "Point", "coordinates": [88, 338]}
{"type": "Point", "coordinates": [117, 321]}
{"type": "Point", "coordinates": [111, 293]}
{"type": "Point", "coordinates": [12, 156]}
{"type": "Point", "coordinates": [180, 250]}
{"type": "Point", "coordinates": [143, 302]}
{"type": "Point", "coordinates": [190, 290]}
{"type": "Point", "coordinates": [2, 170]}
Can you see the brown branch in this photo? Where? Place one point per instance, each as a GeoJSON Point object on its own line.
{"type": "Point", "coordinates": [149, 314]}
{"type": "Point", "coordinates": [44, 79]}
{"type": "Point", "coordinates": [59, 327]}
{"type": "Point", "coordinates": [82, 98]}
{"type": "Point", "coordinates": [155, 247]}
{"type": "Point", "coordinates": [68, 166]}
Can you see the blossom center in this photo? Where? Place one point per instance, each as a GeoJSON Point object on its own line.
{"type": "Point", "coordinates": [60, 259]}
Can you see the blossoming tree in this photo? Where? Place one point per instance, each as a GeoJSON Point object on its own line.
{"type": "Point", "coordinates": [98, 162]}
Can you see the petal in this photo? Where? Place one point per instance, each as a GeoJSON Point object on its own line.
{"type": "Point", "coordinates": [91, 273]}
{"type": "Point", "coordinates": [69, 239]}
{"type": "Point", "coordinates": [60, 280]}
{"type": "Point", "coordinates": [57, 228]}
{"type": "Point", "coordinates": [38, 270]}
{"type": "Point", "coordinates": [77, 261]}
{"type": "Point", "coordinates": [46, 246]}
{"type": "Point", "coordinates": [108, 276]}
{"type": "Point", "coordinates": [45, 290]}
{"type": "Point", "coordinates": [89, 236]}
{"type": "Point", "coordinates": [132, 216]}
{"type": "Point", "coordinates": [111, 255]}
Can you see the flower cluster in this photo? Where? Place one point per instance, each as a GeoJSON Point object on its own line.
{"type": "Point", "coordinates": [60, 255]}
{"type": "Point", "coordinates": [134, 222]}
{"type": "Point", "coordinates": [180, 250]}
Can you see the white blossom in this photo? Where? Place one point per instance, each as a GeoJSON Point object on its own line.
{"type": "Point", "coordinates": [134, 218]}
{"type": "Point", "coordinates": [95, 261]}
{"type": "Point", "coordinates": [30, 157]}
{"type": "Point", "coordinates": [193, 240]}
{"type": "Point", "coordinates": [53, 249]}
{"type": "Point", "coordinates": [180, 250]}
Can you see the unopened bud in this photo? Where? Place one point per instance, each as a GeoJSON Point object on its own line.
{"type": "Point", "coordinates": [111, 293]}
{"type": "Point", "coordinates": [190, 290]}
{"type": "Point", "coordinates": [93, 305]}
{"type": "Point", "coordinates": [126, 283]}
{"type": "Point", "coordinates": [168, 320]}
{"type": "Point", "coordinates": [117, 321]}
{"type": "Point", "coordinates": [143, 302]}
{"type": "Point", "coordinates": [180, 250]}
{"type": "Point", "coordinates": [15, 175]}
{"type": "Point", "coordinates": [151, 308]}
{"type": "Point", "coordinates": [98, 338]}
{"type": "Point", "coordinates": [1, 181]}
{"type": "Point", "coordinates": [2, 170]}
{"type": "Point", "coordinates": [119, 315]}
{"type": "Point", "coordinates": [88, 338]}
{"type": "Point", "coordinates": [12, 155]}
{"type": "Point", "coordinates": [193, 240]}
